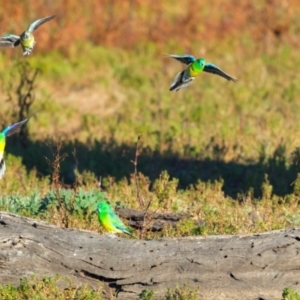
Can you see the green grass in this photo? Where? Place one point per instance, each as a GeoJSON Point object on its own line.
{"type": "Point", "coordinates": [46, 288]}
{"type": "Point", "coordinates": [212, 211]}
{"type": "Point", "coordinates": [290, 294]}
{"type": "Point", "coordinates": [213, 129]}
{"type": "Point", "coordinates": [182, 293]}
{"type": "Point", "coordinates": [62, 288]}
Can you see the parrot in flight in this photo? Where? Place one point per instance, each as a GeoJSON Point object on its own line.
{"type": "Point", "coordinates": [195, 67]}
{"type": "Point", "coordinates": [8, 131]}
{"type": "Point", "coordinates": [26, 39]}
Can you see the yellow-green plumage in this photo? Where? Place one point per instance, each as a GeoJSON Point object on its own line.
{"type": "Point", "coordinates": [27, 42]}
{"type": "Point", "coordinates": [10, 130]}
{"type": "Point", "coordinates": [196, 68]}
{"type": "Point", "coordinates": [109, 220]}
{"type": "Point", "coordinates": [107, 224]}
{"type": "Point", "coordinates": [2, 143]}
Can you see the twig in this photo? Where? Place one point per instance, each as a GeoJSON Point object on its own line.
{"type": "Point", "coordinates": [57, 158]}
{"type": "Point", "coordinates": [146, 216]}
{"type": "Point", "coordinates": [136, 175]}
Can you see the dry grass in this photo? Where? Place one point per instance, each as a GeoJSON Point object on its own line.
{"type": "Point", "coordinates": [128, 23]}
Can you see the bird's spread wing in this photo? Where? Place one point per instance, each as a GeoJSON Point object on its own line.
{"type": "Point", "coordinates": [36, 24]}
{"type": "Point", "coordinates": [177, 81]}
{"type": "Point", "coordinates": [181, 80]}
{"type": "Point", "coordinates": [10, 130]}
{"type": "Point", "coordinates": [211, 68]}
{"type": "Point", "coordinates": [9, 41]}
{"type": "Point", "coordinates": [184, 58]}
{"type": "Point", "coordinates": [10, 37]}
{"type": "Point", "coordinates": [6, 44]}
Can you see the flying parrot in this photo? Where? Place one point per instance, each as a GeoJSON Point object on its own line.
{"type": "Point", "coordinates": [109, 220]}
{"type": "Point", "coordinates": [8, 131]}
{"type": "Point", "coordinates": [26, 39]}
{"type": "Point", "coordinates": [195, 67]}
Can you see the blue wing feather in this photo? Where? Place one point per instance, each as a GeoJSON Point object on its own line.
{"type": "Point", "coordinates": [210, 65]}
{"type": "Point", "coordinates": [13, 128]}
{"type": "Point", "coordinates": [211, 68]}
{"type": "Point", "coordinates": [183, 58]}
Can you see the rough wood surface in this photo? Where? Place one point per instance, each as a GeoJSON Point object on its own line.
{"type": "Point", "coordinates": [255, 266]}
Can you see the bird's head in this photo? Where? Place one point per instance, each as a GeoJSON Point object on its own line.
{"type": "Point", "coordinates": [200, 63]}
{"type": "Point", "coordinates": [103, 206]}
{"type": "Point", "coordinates": [26, 35]}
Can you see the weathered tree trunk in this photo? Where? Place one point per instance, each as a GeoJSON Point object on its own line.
{"type": "Point", "coordinates": [254, 266]}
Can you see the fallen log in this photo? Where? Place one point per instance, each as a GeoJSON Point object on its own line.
{"type": "Point", "coordinates": [256, 266]}
{"type": "Point", "coordinates": [158, 220]}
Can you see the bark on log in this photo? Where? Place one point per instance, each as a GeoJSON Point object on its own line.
{"type": "Point", "coordinates": [254, 266]}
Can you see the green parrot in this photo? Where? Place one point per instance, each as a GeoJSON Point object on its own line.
{"type": "Point", "coordinates": [10, 130]}
{"type": "Point", "coordinates": [109, 220]}
{"type": "Point", "coordinates": [195, 67]}
{"type": "Point", "coordinates": [26, 39]}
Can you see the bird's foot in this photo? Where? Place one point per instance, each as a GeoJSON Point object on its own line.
{"type": "Point", "coordinates": [27, 51]}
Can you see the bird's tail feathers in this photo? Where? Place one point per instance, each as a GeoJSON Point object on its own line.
{"type": "Point", "coordinates": [131, 234]}
{"type": "Point", "coordinates": [125, 230]}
